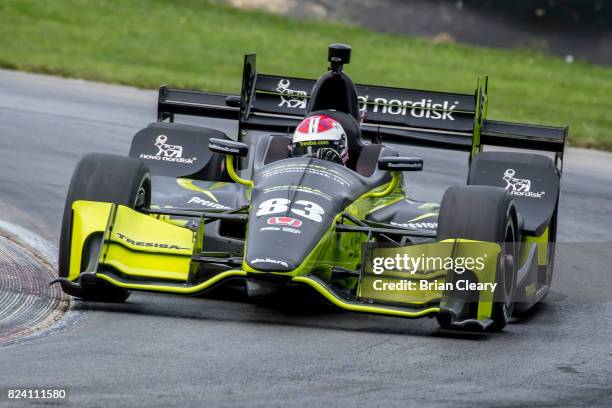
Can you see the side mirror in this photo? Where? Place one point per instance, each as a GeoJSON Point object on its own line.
{"type": "Point", "coordinates": [400, 164]}
{"type": "Point", "coordinates": [228, 147]}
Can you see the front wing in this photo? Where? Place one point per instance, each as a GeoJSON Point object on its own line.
{"type": "Point", "coordinates": [140, 252]}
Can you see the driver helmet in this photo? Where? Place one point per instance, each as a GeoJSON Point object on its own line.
{"type": "Point", "coordinates": [322, 137]}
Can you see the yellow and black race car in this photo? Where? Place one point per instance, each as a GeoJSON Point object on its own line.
{"type": "Point", "coordinates": [192, 208]}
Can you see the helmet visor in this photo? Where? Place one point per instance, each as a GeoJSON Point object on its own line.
{"type": "Point", "coordinates": [311, 148]}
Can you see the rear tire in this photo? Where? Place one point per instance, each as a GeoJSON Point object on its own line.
{"type": "Point", "coordinates": [484, 213]}
{"type": "Point", "coordinates": [105, 178]}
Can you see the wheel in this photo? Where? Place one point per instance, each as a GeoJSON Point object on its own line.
{"type": "Point", "coordinates": [484, 213]}
{"type": "Point", "coordinates": [106, 178]}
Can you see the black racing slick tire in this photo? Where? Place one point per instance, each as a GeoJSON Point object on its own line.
{"type": "Point", "coordinates": [484, 213]}
{"type": "Point", "coordinates": [105, 178]}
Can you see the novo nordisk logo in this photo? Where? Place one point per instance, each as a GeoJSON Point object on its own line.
{"type": "Point", "coordinates": [168, 152]}
{"type": "Point", "coordinates": [289, 97]}
{"type": "Point", "coordinates": [425, 108]}
{"type": "Point", "coordinates": [519, 187]}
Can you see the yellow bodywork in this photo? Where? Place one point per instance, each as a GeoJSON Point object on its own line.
{"type": "Point", "coordinates": [370, 284]}
{"type": "Point", "coordinates": [88, 217]}
{"type": "Point", "coordinates": [542, 243]}
{"type": "Point", "coordinates": [138, 245]}
{"type": "Point", "coordinates": [145, 253]}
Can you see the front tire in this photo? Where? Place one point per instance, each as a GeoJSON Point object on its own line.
{"type": "Point", "coordinates": [484, 213]}
{"type": "Point", "coordinates": [104, 178]}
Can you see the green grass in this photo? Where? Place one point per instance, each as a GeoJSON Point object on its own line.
{"type": "Point", "coordinates": [190, 43]}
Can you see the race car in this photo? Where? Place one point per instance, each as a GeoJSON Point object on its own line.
{"type": "Point", "coordinates": [192, 208]}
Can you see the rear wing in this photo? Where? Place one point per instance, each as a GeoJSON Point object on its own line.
{"type": "Point", "coordinates": [406, 116]}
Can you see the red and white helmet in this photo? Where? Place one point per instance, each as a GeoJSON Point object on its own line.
{"type": "Point", "coordinates": [322, 137]}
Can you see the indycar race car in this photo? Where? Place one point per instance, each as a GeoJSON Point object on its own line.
{"type": "Point", "coordinates": [192, 208]}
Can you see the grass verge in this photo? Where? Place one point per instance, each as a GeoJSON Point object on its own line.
{"type": "Point", "coordinates": [194, 44]}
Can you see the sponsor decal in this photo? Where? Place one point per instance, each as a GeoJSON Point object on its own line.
{"type": "Point", "coordinates": [304, 189]}
{"type": "Point", "coordinates": [148, 244]}
{"type": "Point", "coordinates": [269, 260]}
{"type": "Point", "coordinates": [291, 98]}
{"type": "Point", "coordinates": [286, 221]}
{"type": "Point", "coordinates": [416, 225]}
{"type": "Point", "coordinates": [167, 152]}
{"type": "Point", "coordinates": [207, 203]}
{"type": "Point", "coordinates": [519, 187]}
{"type": "Point", "coordinates": [425, 108]}
{"type": "Point", "coordinates": [283, 229]}
{"type": "Point", "coordinates": [308, 168]}
{"type": "Point", "coordinates": [226, 149]}
{"type": "Point", "coordinates": [307, 143]}
{"type": "Point", "coordinates": [404, 165]}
